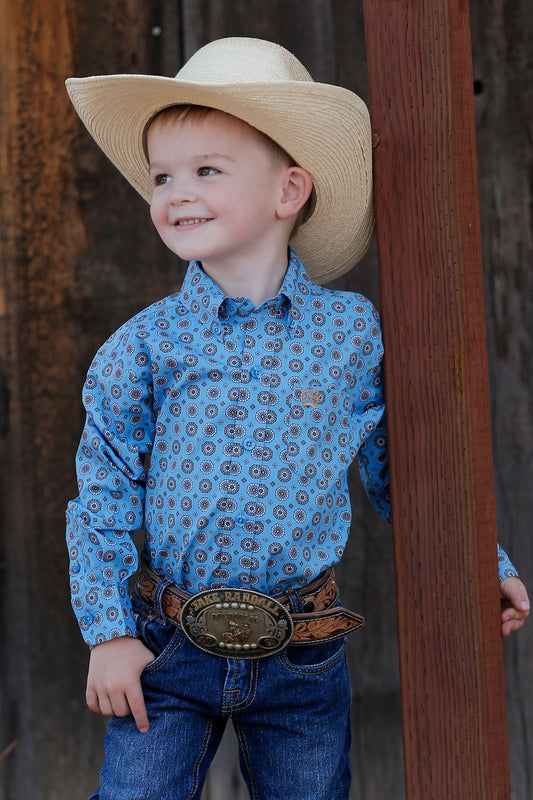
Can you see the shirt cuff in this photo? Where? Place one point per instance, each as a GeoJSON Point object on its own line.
{"type": "Point", "coordinates": [505, 567]}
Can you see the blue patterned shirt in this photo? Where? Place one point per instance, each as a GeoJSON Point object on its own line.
{"type": "Point", "coordinates": [226, 431]}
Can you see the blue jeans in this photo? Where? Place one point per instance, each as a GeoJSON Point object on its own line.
{"type": "Point", "coordinates": [290, 711]}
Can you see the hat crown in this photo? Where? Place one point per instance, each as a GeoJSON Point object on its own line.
{"type": "Point", "coordinates": [243, 60]}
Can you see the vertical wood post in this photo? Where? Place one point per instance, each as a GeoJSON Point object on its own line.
{"type": "Point", "coordinates": [40, 241]}
{"type": "Point", "coordinates": [431, 287]}
{"type": "Point", "coordinates": [60, 296]}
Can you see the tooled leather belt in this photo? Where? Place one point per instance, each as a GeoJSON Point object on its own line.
{"type": "Point", "coordinates": [244, 623]}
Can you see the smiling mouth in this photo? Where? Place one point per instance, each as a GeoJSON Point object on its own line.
{"type": "Point", "coordinates": [183, 223]}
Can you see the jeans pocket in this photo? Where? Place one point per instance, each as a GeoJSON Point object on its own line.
{"type": "Point", "coordinates": [159, 636]}
{"type": "Point", "coordinates": [172, 640]}
{"type": "Point", "coordinates": [313, 657]}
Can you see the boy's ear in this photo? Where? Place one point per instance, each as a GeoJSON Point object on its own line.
{"type": "Point", "coordinates": [297, 186]}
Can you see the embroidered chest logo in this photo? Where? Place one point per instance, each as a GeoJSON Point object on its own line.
{"type": "Point", "coordinates": [310, 397]}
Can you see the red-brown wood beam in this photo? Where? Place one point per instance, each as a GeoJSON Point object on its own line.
{"type": "Point", "coordinates": [431, 286]}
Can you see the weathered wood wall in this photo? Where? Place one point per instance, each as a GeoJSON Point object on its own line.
{"type": "Point", "coordinates": [502, 33]}
{"type": "Point", "coordinates": [79, 257]}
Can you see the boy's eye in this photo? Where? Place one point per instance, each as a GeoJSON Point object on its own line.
{"type": "Point", "coordinates": [160, 180]}
{"type": "Point", "coordinates": [203, 172]}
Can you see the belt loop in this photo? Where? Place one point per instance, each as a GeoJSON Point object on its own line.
{"type": "Point", "coordinates": [295, 600]}
{"type": "Point", "coordinates": [161, 585]}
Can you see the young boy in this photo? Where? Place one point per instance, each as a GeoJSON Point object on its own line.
{"type": "Point", "coordinates": [223, 419]}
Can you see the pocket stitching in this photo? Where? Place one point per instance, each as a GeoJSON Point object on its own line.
{"type": "Point", "coordinates": [169, 649]}
{"type": "Point", "coordinates": [312, 669]}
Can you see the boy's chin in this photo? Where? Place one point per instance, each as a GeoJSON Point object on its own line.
{"type": "Point", "coordinates": [184, 253]}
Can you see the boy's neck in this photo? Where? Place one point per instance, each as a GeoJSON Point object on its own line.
{"type": "Point", "coordinates": [256, 282]}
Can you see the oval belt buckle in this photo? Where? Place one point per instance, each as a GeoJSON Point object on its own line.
{"type": "Point", "coordinates": [239, 623]}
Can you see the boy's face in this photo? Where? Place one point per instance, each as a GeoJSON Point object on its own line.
{"type": "Point", "coordinates": [217, 189]}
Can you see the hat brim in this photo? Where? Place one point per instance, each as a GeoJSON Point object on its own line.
{"type": "Point", "coordinates": [324, 128]}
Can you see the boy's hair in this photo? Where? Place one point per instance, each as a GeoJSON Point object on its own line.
{"type": "Point", "coordinates": [279, 156]}
{"type": "Point", "coordinates": [198, 113]}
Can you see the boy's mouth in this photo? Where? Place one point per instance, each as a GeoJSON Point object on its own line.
{"type": "Point", "coordinates": [183, 223]}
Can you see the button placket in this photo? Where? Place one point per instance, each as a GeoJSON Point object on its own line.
{"type": "Point", "coordinates": [247, 443]}
{"type": "Point", "coordinates": [255, 454]}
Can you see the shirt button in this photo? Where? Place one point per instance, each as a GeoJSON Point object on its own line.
{"type": "Point", "coordinates": [216, 328]}
{"type": "Point", "coordinates": [254, 372]}
{"type": "Point", "coordinates": [249, 443]}
{"type": "Point", "coordinates": [240, 520]}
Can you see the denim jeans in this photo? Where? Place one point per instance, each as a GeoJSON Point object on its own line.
{"type": "Point", "coordinates": [290, 711]}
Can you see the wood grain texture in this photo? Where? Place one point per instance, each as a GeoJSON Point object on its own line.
{"type": "Point", "coordinates": [428, 234]}
{"type": "Point", "coordinates": [65, 269]}
{"type": "Point", "coordinates": [502, 32]}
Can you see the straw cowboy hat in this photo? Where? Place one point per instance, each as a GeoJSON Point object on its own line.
{"type": "Point", "coordinates": [324, 128]}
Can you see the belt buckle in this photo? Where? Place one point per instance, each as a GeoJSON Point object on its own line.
{"type": "Point", "coordinates": [239, 623]}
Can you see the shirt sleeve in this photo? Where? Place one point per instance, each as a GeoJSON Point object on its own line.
{"type": "Point", "coordinates": [372, 455]}
{"type": "Point", "coordinates": [505, 567]}
{"type": "Point", "coordinates": [373, 465]}
{"type": "Point", "coordinates": [368, 407]}
{"type": "Point", "coordinates": [118, 432]}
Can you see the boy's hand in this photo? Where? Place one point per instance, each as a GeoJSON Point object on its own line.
{"type": "Point", "coordinates": [113, 683]}
{"type": "Point", "coordinates": [515, 605]}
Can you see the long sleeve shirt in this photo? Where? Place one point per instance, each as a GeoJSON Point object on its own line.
{"type": "Point", "coordinates": [226, 432]}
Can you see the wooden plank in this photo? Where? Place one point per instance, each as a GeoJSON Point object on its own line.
{"type": "Point", "coordinates": [72, 269]}
{"type": "Point", "coordinates": [503, 76]}
{"type": "Point", "coordinates": [451, 666]}
{"type": "Point", "coordinates": [40, 239]}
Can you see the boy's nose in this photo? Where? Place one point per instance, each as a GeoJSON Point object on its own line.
{"type": "Point", "coordinates": [181, 191]}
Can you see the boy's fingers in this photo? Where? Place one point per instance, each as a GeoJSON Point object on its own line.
{"type": "Point", "coordinates": [511, 625]}
{"type": "Point", "coordinates": [512, 620]}
{"type": "Point", "coordinates": [513, 590]}
{"type": "Point", "coordinates": [92, 701]}
{"type": "Point", "coordinates": [120, 705]}
{"type": "Point", "coordinates": [515, 605]}
{"type": "Point", "coordinates": [513, 616]}
{"type": "Point", "coordinates": [137, 707]}
{"type": "Point", "coordinates": [104, 705]}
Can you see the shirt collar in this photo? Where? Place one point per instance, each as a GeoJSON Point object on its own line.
{"type": "Point", "coordinates": [201, 296]}
{"type": "Point", "coordinates": [297, 287]}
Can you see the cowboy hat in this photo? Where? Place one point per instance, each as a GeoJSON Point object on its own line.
{"type": "Point", "coordinates": [324, 128]}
